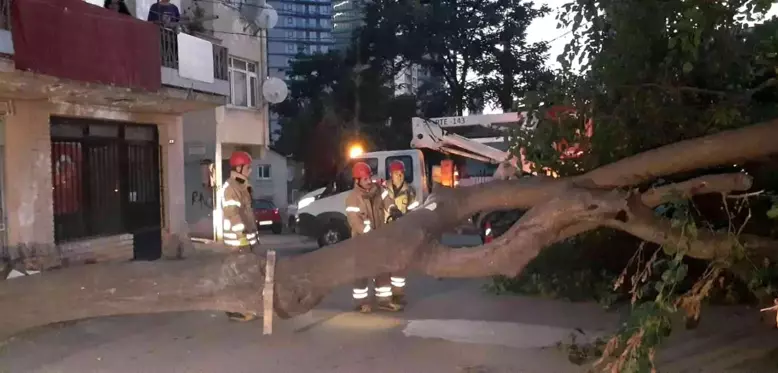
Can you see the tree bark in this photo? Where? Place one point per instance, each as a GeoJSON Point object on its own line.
{"type": "Point", "coordinates": [558, 209]}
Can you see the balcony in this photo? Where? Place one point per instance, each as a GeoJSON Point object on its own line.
{"type": "Point", "coordinates": [131, 64]}
{"type": "Point", "coordinates": [185, 63]}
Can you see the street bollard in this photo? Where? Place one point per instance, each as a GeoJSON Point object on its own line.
{"type": "Point", "coordinates": [267, 293]}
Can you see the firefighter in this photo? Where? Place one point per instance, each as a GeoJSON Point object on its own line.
{"type": "Point", "coordinates": [403, 196]}
{"type": "Point", "coordinates": [238, 223]}
{"type": "Point", "coordinates": [366, 206]}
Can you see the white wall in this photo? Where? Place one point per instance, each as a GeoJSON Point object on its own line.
{"type": "Point", "coordinates": [242, 125]}
{"type": "Point", "coordinates": [276, 187]}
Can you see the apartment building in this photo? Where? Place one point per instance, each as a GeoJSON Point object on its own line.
{"type": "Point", "coordinates": [304, 27]}
{"type": "Point", "coordinates": [92, 146]}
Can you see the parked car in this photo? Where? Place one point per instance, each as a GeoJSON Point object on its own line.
{"type": "Point", "coordinates": [267, 215]}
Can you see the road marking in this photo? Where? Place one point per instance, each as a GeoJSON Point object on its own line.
{"type": "Point", "coordinates": [509, 334]}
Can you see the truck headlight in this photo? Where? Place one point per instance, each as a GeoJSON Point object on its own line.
{"type": "Point", "coordinates": [305, 202]}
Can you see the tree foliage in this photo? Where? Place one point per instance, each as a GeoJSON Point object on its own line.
{"type": "Point", "coordinates": [477, 48]}
{"type": "Point", "coordinates": [318, 118]}
{"type": "Point", "coordinates": [651, 73]}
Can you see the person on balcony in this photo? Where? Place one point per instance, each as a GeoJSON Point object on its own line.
{"type": "Point", "coordinates": [164, 13]}
{"type": "Point", "coordinates": [117, 6]}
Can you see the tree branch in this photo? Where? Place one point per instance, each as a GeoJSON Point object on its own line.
{"type": "Point", "coordinates": [538, 228]}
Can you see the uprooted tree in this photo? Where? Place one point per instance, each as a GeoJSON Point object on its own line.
{"type": "Point", "coordinates": [671, 87]}
{"type": "Point", "coordinates": [557, 209]}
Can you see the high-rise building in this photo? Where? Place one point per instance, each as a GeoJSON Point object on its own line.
{"type": "Point", "coordinates": [304, 26]}
{"type": "Point", "coordinates": [347, 16]}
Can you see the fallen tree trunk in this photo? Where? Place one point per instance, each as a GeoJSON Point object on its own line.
{"type": "Point", "coordinates": [558, 209]}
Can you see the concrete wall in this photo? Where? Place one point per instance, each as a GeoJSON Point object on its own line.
{"type": "Point", "coordinates": [199, 146]}
{"type": "Point", "coordinates": [28, 187]}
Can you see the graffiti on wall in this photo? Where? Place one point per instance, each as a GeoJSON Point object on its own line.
{"type": "Point", "coordinates": [202, 200]}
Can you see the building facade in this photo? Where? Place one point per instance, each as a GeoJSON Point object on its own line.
{"type": "Point", "coordinates": [347, 16]}
{"type": "Point", "coordinates": [99, 126]}
{"type": "Point", "coordinates": [212, 135]}
{"type": "Point", "coordinates": [304, 27]}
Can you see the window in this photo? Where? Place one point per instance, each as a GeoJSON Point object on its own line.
{"type": "Point", "coordinates": [290, 34]}
{"type": "Point", "coordinates": [323, 48]}
{"type": "Point", "coordinates": [289, 21]}
{"type": "Point", "coordinates": [243, 82]}
{"type": "Point", "coordinates": [407, 161]}
{"type": "Point", "coordinates": [262, 204]}
{"type": "Point", "coordinates": [324, 9]}
{"type": "Point", "coordinates": [263, 172]}
{"type": "Point", "coordinates": [291, 48]}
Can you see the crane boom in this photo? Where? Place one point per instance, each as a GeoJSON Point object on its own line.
{"type": "Point", "coordinates": [432, 134]}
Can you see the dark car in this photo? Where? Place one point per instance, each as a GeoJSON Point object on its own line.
{"type": "Point", "coordinates": [267, 215]}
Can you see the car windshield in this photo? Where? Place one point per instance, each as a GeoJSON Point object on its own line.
{"type": "Point", "coordinates": [263, 204]}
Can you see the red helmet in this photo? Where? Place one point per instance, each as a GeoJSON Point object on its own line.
{"type": "Point", "coordinates": [361, 171]}
{"type": "Point", "coordinates": [396, 166]}
{"type": "Point", "coordinates": [240, 158]}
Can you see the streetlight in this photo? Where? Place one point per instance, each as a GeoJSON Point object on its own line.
{"type": "Point", "coordinates": [355, 151]}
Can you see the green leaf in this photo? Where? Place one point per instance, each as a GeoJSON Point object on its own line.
{"type": "Point", "coordinates": [687, 67]}
{"type": "Point", "coordinates": [773, 212]}
{"type": "Point", "coordinates": [681, 272]}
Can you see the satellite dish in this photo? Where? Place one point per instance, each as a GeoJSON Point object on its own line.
{"type": "Point", "coordinates": [274, 90]}
{"type": "Point", "coordinates": [268, 17]}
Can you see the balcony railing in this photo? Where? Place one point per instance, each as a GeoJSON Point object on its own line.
{"type": "Point", "coordinates": [169, 52]}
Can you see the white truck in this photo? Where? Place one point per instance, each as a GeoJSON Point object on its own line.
{"type": "Point", "coordinates": [321, 213]}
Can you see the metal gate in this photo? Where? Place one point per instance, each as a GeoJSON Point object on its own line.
{"type": "Point", "coordinates": [106, 181]}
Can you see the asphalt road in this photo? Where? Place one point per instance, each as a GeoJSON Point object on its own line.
{"type": "Point", "coordinates": [291, 244]}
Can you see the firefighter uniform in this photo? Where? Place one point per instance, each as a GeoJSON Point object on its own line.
{"type": "Point", "coordinates": [365, 211]}
{"type": "Point", "coordinates": [238, 223]}
{"type": "Point", "coordinates": [403, 197]}
{"type": "Point", "coordinates": [240, 228]}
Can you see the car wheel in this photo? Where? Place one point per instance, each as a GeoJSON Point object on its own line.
{"type": "Point", "coordinates": [333, 233]}
{"type": "Point", "coordinates": [277, 228]}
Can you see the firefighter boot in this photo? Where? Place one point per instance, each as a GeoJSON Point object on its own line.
{"type": "Point", "coordinates": [363, 307]}
{"type": "Point", "coordinates": [389, 305]}
{"type": "Point", "coordinates": [242, 317]}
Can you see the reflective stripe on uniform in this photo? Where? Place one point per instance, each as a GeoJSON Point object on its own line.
{"type": "Point", "coordinates": [231, 202]}
{"type": "Point", "coordinates": [227, 224]}
{"type": "Point", "coordinates": [238, 227]}
{"type": "Point", "coordinates": [359, 293]}
{"type": "Point", "coordinates": [231, 235]}
{"type": "Point", "coordinates": [398, 282]}
{"type": "Point", "coordinates": [252, 242]}
{"type": "Point", "coordinates": [384, 194]}
{"type": "Point", "coordinates": [367, 229]}
{"type": "Point", "coordinates": [232, 242]}
{"type": "Point", "coordinates": [352, 209]}
{"type": "Point", "coordinates": [413, 205]}
{"type": "Point", "coordinates": [250, 235]}
{"type": "Point", "coordinates": [383, 291]}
